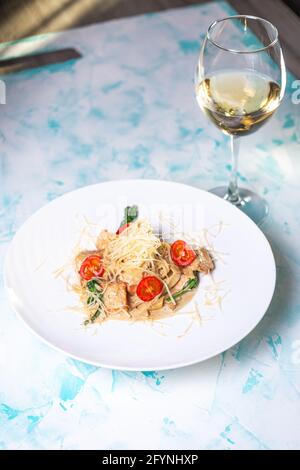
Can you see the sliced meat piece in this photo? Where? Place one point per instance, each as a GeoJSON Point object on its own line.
{"type": "Point", "coordinates": [170, 306]}
{"type": "Point", "coordinates": [134, 301]}
{"type": "Point", "coordinates": [131, 278]}
{"type": "Point", "coordinates": [140, 312]}
{"type": "Point", "coordinates": [182, 281]}
{"type": "Point", "coordinates": [115, 298]}
{"type": "Point", "coordinates": [193, 267]}
{"type": "Point", "coordinates": [157, 304]}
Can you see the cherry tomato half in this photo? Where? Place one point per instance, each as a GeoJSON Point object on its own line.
{"type": "Point", "coordinates": [91, 267]}
{"type": "Point", "coordinates": [122, 228]}
{"type": "Point", "coordinates": [149, 288]}
{"type": "Point", "coordinates": [182, 254]}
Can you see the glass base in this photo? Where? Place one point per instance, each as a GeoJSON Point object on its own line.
{"type": "Point", "coordinates": [250, 203]}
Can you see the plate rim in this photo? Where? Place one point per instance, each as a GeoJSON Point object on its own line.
{"type": "Point", "coordinates": [133, 368]}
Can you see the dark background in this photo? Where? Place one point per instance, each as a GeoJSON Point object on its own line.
{"type": "Point", "coordinates": [294, 4]}
{"type": "Point", "coordinates": [22, 18]}
{"type": "Point", "coordinates": [19, 18]}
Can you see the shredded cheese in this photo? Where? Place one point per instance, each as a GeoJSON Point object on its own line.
{"type": "Point", "coordinates": [135, 250]}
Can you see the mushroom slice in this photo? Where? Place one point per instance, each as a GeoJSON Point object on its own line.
{"type": "Point", "coordinates": [104, 238]}
{"type": "Point", "coordinates": [157, 304]}
{"type": "Point", "coordinates": [206, 263]}
{"type": "Point", "coordinates": [173, 278]}
{"type": "Point", "coordinates": [203, 263]}
{"type": "Point", "coordinates": [179, 285]}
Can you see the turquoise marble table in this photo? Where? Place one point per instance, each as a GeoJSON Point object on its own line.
{"type": "Point", "coordinates": [127, 109]}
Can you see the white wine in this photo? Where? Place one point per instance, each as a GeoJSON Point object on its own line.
{"type": "Point", "coordinates": [238, 102]}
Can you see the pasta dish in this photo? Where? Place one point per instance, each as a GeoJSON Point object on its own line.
{"type": "Point", "coordinates": [133, 274]}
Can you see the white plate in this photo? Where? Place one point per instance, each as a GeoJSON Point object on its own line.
{"type": "Point", "coordinates": [228, 307]}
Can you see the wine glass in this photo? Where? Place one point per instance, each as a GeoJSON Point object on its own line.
{"type": "Point", "coordinates": [240, 83]}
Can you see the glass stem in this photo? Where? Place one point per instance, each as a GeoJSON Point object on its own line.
{"type": "Point", "coordinates": [233, 190]}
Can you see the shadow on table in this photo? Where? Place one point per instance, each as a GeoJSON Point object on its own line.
{"type": "Point", "coordinates": [280, 312]}
{"type": "Point", "coordinates": [282, 308]}
{"type": "Point", "coordinates": [37, 60]}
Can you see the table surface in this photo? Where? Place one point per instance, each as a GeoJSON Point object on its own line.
{"type": "Point", "coordinates": [126, 109]}
{"type": "Point", "coordinates": [29, 17]}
